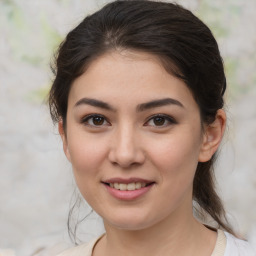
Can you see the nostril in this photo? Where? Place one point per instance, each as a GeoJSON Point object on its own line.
{"type": "Point", "coordinates": [126, 156]}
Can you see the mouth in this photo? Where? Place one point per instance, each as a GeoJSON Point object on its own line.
{"type": "Point", "coordinates": [128, 186]}
{"type": "Point", "coordinates": [128, 189]}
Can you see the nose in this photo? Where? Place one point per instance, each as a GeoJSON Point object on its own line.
{"type": "Point", "coordinates": [126, 149]}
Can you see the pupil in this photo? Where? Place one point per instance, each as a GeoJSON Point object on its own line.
{"type": "Point", "coordinates": [97, 120]}
{"type": "Point", "coordinates": [159, 120]}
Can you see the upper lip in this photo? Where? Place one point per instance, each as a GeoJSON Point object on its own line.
{"type": "Point", "coordinates": [127, 181]}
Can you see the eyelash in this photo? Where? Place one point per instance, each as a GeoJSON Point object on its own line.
{"type": "Point", "coordinates": [85, 120]}
{"type": "Point", "coordinates": [166, 118]}
{"type": "Point", "coordinates": [170, 120]}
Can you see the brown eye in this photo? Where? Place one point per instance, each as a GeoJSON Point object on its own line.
{"type": "Point", "coordinates": [98, 120]}
{"type": "Point", "coordinates": [95, 121]}
{"type": "Point", "coordinates": [159, 121]}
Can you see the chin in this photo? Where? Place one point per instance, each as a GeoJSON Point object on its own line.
{"type": "Point", "coordinates": [130, 226]}
{"type": "Point", "coordinates": [130, 223]}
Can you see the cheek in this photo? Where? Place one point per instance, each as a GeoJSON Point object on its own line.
{"type": "Point", "coordinates": [176, 162]}
{"type": "Point", "coordinates": [177, 156]}
{"type": "Point", "coordinates": [85, 158]}
{"type": "Point", "coordinates": [86, 155]}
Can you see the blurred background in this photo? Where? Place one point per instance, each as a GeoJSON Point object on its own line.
{"type": "Point", "coordinates": [36, 184]}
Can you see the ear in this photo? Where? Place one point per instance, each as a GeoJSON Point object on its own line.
{"type": "Point", "coordinates": [212, 136]}
{"type": "Point", "coordinates": [64, 139]}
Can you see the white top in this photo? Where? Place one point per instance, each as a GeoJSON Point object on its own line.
{"type": "Point", "coordinates": [237, 247]}
{"type": "Point", "coordinates": [226, 245]}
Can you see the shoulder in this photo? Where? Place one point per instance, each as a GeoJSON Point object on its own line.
{"type": "Point", "coordinates": [237, 247]}
{"type": "Point", "coordinates": [81, 250]}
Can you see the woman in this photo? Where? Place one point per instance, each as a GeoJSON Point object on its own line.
{"type": "Point", "coordinates": [138, 97]}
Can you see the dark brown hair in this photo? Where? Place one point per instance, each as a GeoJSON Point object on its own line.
{"type": "Point", "coordinates": [183, 43]}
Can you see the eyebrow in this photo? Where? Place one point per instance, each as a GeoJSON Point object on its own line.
{"type": "Point", "coordinates": [94, 103]}
{"type": "Point", "coordinates": [158, 103]}
{"type": "Point", "coordinates": [139, 108]}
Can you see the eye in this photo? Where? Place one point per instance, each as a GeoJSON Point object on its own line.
{"type": "Point", "coordinates": [160, 120]}
{"type": "Point", "coordinates": [95, 120]}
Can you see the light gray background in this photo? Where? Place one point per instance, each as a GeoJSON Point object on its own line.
{"type": "Point", "coordinates": [36, 180]}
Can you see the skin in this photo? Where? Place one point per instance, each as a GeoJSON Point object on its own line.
{"type": "Point", "coordinates": [129, 141]}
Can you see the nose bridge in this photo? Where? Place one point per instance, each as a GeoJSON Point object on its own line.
{"type": "Point", "coordinates": [126, 139]}
{"type": "Point", "coordinates": [126, 149]}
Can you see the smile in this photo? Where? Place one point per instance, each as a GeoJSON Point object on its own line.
{"type": "Point", "coordinates": [128, 189]}
{"type": "Point", "coordinates": [129, 186]}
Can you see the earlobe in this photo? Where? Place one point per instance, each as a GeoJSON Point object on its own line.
{"type": "Point", "coordinates": [64, 139]}
{"type": "Point", "coordinates": [212, 136]}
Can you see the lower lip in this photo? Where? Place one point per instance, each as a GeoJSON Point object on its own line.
{"type": "Point", "coordinates": [128, 194]}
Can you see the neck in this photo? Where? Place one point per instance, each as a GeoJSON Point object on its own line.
{"type": "Point", "coordinates": [165, 238]}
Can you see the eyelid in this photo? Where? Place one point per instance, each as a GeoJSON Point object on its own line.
{"type": "Point", "coordinates": [85, 119]}
{"type": "Point", "coordinates": [170, 119]}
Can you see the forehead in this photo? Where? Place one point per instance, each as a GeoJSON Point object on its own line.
{"type": "Point", "coordinates": [133, 75]}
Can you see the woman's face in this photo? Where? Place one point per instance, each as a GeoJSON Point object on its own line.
{"type": "Point", "coordinates": [134, 139]}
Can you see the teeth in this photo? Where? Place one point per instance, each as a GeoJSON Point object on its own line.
{"type": "Point", "coordinates": [122, 186]}
{"type": "Point", "coordinates": [138, 185]}
{"type": "Point", "coordinates": [129, 186]}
